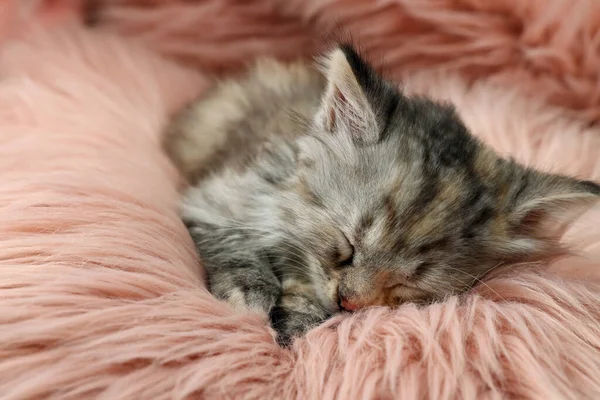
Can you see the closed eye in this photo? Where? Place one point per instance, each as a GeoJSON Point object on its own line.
{"type": "Point", "coordinates": [441, 243]}
{"type": "Point", "coordinates": [421, 270]}
{"type": "Point", "coordinates": [404, 284]}
{"type": "Point", "coordinates": [345, 253]}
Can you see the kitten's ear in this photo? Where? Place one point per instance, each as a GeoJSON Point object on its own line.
{"type": "Point", "coordinates": [545, 204]}
{"type": "Point", "coordinates": [356, 101]}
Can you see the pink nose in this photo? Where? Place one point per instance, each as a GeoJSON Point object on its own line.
{"type": "Point", "coordinates": [349, 305]}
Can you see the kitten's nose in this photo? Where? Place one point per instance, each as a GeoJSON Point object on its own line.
{"type": "Point", "coordinates": [348, 305]}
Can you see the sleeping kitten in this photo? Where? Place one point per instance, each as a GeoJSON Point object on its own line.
{"type": "Point", "coordinates": [316, 189]}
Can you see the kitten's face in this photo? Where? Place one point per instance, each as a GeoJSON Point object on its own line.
{"type": "Point", "coordinates": [385, 230]}
{"type": "Point", "coordinates": [391, 221]}
{"type": "Point", "coordinates": [394, 201]}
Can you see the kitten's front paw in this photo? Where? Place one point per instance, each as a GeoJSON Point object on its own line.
{"type": "Point", "coordinates": [246, 288]}
{"type": "Point", "coordinates": [280, 321]}
{"type": "Point", "coordinates": [290, 324]}
{"type": "Point", "coordinates": [251, 298]}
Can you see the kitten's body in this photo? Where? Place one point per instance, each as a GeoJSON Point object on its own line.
{"type": "Point", "coordinates": [229, 127]}
{"type": "Point", "coordinates": [217, 142]}
{"type": "Point", "coordinates": [311, 190]}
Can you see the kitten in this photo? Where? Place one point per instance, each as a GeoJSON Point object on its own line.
{"type": "Point", "coordinates": [319, 188]}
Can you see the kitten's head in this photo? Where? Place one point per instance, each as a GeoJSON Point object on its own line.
{"type": "Point", "coordinates": [395, 201]}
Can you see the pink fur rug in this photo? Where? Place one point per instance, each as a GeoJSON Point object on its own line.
{"type": "Point", "coordinates": [101, 294]}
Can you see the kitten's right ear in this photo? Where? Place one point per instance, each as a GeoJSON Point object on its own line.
{"type": "Point", "coordinates": [546, 203]}
{"type": "Point", "coordinates": [356, 101]}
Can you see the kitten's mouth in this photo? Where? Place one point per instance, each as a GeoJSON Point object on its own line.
{"type": "Point", "coordinates": [346, 305]}
{"type": "Point", "coordinates": [340, 304]}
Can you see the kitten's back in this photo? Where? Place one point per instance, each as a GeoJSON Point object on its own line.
{"type": "Point", "coordinates": [228, 125]}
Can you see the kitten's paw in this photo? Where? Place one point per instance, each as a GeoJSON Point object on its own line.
{"type": "Point", "coordinates": [293, 324]}
{"type": "Point", "coordinates": [256, 299]}
{"type": "Point", "coordinates": [281, 321]}
{"type": "Point", "coordinates": [245, 286]}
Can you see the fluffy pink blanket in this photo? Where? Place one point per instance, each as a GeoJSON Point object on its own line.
{"type": "Point", "coordinates": [101, 294]}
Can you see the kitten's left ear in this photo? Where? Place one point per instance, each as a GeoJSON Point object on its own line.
{"type": "Point", "coordinates": [356, 101]}
{"type": "Point", "coordinates": [547, 203]}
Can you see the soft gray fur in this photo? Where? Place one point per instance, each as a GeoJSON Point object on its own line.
{"type": "Point", "coordinates": [316, 189]}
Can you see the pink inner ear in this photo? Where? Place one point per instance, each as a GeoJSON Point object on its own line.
{"type": "Point", "coordinates": [338, 98]}
{"type": "Point", "coordinates": [331, 121]}
{"type": "Point", "coordinates": [532, 221]}
{"type": "Point", "coordinates": [543, 223]}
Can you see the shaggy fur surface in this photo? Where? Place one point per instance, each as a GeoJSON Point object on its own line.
{"type": "Point", "coordinates": [552, 45]}
{"type": "Point", "coordinates": [101, 294]}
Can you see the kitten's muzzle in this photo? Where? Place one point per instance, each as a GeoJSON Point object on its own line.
{"type": "Point", "coordinates": [348, 305]}
{"type": "Point", "coordinates": [345, 302]}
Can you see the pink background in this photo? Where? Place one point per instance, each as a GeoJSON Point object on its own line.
{"type": "Point", "coordinates": [101, 293]}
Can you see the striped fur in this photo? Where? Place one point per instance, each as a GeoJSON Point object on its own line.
{"type": "Point", "coordinates": [317, 189]}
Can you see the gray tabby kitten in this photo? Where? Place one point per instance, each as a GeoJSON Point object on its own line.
{"type": "Point", "coordinates": [316, 189]}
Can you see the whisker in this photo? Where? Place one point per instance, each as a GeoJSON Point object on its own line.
{"type": "Point", "coordinates": [477, 279]}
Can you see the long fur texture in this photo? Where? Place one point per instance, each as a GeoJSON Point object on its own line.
{"type": "Point", "coordinates": [100, 294]}
{"type": "Point", "coordinates": [550, 44]}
